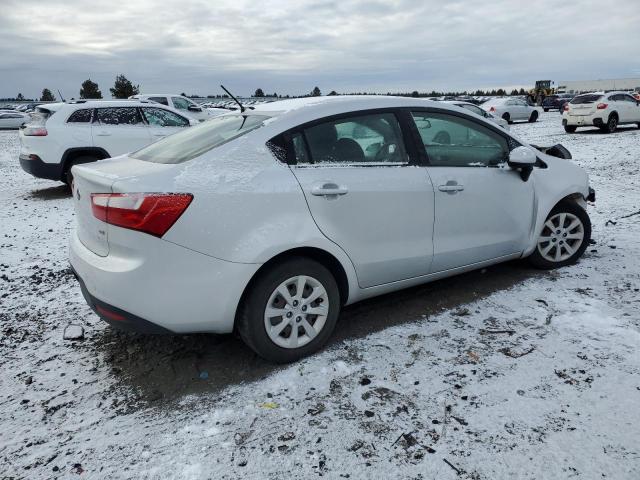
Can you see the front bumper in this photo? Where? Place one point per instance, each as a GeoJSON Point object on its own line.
{"type": "Point", "coordinates": [160, 287]}
{"type": "Point", "coordinates": [34, 165]}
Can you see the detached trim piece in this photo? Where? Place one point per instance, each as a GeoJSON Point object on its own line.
{"type": "Point", "coordinates": [118, 318]}
{"type": "Point", "coordinates": [592, 195]}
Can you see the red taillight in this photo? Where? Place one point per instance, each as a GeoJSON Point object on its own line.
{"type": "Point", "coordinates": [34, 132]}
{"type": "Point", "coordinates": [492, 109]}
{"type": "Point", "coordinates": [566, 107]}
{"type": "Point", "coordinates": [602, 106]}
{"type": "Point", "coordinates": [152, 213]}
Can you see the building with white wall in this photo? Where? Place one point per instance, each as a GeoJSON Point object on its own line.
{"type": "Point", "coordinates": [579, 86]}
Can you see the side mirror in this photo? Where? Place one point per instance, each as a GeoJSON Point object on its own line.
{"type": "Point", "coordinates": [194, 108]}
{"type": "Point", "coordinates": [522, 158]}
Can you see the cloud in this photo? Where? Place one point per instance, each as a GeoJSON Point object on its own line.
{"type": "Point", "coordinates": [291, 46]}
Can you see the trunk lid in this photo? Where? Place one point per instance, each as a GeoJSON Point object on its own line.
{"type": "Point", "coordinates": [132, 176]}
{"type": "Point", "coordinates": [91, 232]}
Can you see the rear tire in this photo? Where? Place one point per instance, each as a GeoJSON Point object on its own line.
{"type": "Point", "coordinates": [546, 109]}
{"type": "Point", "coordinates": [611, 125]}
{"type": "Point", "coordinates": [555, 250]}
{"type": "Point", "coordinates": [533, 117]}
{"type": "Point", "coordinates": [570, 129]}
{"type": "Point", "coordinates": [67, 176]}
{"type": "Point", "coordinates": [297, 325]}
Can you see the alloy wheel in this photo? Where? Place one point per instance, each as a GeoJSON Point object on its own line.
{"type": "Point", "coordinates": [561, 237]}
{"type": "Point", "coordinates": [296, 311]}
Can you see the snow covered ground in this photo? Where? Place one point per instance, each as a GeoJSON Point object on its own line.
{"type": "Point", "coordinates": [516, 374]}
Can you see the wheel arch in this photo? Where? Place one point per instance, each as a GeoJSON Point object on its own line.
{"type": "Point", "coordinates": [323, 257]}
{"type": "Point", "coordinates": [572, 195]}
{"type": "Point", "coordinates": [72, 153]}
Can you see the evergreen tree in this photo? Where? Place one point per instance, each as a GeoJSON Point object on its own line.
{"type": "Point", "coordinates": [90, 89]}
{"type": "Point", "coordinates": [20, 97]}
{"type": "Point", "coordinates": [316, 92]}
{"type": "Point", "coordinates": [522, 91]}
{"type": "Point", "coordinates": [333, 93]}
{"type": "Point", "coordinates": [415, 94]}
{"type": "Point", "coordinates": [514, 91]}
{"type": "Point", "coordinates": [259, 93]}
{"type": "Point", "coordinates": [123, 88]}
{"type": "Point", "coordinates": [47, 96]}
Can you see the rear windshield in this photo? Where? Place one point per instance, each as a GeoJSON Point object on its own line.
{"type": "Point", "coordinates": [585, 99]}
{"type": "Point", "coordinates": [41, 114]}
{"type": "Point", "coordinates": [194, 141]}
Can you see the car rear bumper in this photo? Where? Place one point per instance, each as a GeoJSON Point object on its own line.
{"type": "Point", "coordinates": [160, 287]}
{"type": "Point", "coordinates": [34, 165]}
{"type": "Point", "coordinates": [116, 317]}
{"type": "Point", "coordinates": [579, 121]}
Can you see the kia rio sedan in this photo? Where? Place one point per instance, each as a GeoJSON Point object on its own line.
{"type": "Point", "coordinates": [266, 222]}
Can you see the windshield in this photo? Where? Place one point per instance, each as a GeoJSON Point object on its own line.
{"type": "Point", "coordinates": [195, 141]}
{"type": "Point", "coordinates": [586, 99]}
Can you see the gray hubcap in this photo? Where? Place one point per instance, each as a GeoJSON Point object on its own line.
{"type": "Point", "coordinates": [561, 237]}
{"type": "Point", "coordinates": [296, 311]}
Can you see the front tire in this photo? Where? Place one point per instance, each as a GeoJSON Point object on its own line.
{"type": "Point", "coordinates": [507, 117]}
{"type": "Point", "coordinates": [533, 117]}
{"type": "Point", "coordinates": [564, 237]}
{"type": "Point", "coordinates": [290, 310]}
{"type": "Point", "coordinates": [570, 129]}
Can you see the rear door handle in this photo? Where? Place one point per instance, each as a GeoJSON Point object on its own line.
{"type": "Point", "coordinates": [328, 189]}
{"type": "Point", "coordinates": [103, 133]}
{"type": "Point", "coordinates": [451, 187]}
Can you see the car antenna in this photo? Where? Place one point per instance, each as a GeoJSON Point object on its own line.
{"type": "Point", "coordinates": [59, 93]}
{"type": "Point", "coordinates": [242, 108]}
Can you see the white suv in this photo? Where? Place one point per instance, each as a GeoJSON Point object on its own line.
{"type": "Point", "coordinates": [603, 110]}
{"type": "Point", "coordinates": [67, 134]}
{"type": "Point", "coordinates": [182, 104]}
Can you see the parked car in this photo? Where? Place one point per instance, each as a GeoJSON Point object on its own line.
{"type": "Point", "coordinates": [511, 109]}
{"type": "Point", "coordinates": [182, 104]}
{"type": "Point", "coordinates": [556, 102]}
{"type": "Point", "coordinates": [478, 111]}
{"type": "Point", "coordinates": [267, 222]}
{"type": "Point", "coordinates": [67, 134]}
{"type": "Point", "coordinates": [603, 110]}
{"type": "Point", "coordinates": [13, 119]}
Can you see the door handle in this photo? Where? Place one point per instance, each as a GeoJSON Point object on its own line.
{"type": "Point", "coordinates": [328, 189]}
{"type": "Point", "coordinates": [103, 134]}
{"type": "Point", "coordinates": [451, 187]}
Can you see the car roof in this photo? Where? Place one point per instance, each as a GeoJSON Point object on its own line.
{"type": "Point", "coordinates": [294, 112]}
{"type": "Point", "coordinates": [140, 95]}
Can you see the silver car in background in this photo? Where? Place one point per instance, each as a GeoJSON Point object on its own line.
{"type": "Point", "coordinates": [511, 109]}
{"type": "Point", "coordinates": [479, 111]}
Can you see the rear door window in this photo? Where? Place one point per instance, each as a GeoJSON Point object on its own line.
{"type": "Point", "coordinates": [180, 103]}
{"type": "Point", "coordinates": [119, 116]}
{"type": "Point", "coordinates": [159, 117]}
{"type": "Point", "coordinates": [81, 116]}
{"type": "Point", "coordinates": [374, 138]}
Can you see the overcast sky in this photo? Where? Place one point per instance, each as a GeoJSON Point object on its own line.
{"type": "Point", "coordinates": [292, 46]}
